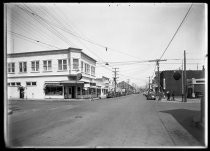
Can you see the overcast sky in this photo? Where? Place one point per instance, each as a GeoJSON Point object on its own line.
{"type": "Point", "coordinates": [130, 31]}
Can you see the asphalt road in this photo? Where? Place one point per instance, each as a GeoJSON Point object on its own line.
{"type": "Point", "coordinates": [129, 121]}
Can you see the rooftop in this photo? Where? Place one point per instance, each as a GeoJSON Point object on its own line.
{"type": "Point", "coordinates": [47, 52]}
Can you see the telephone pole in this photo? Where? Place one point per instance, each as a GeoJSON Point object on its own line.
{"type": "Point", "coordinates": [182, 83]}
{"type": "Point", "coordinates": [149, 82]}
{"type": "Point", "coordinates": [157, 63]}
{"type": "Point", "coordinates": [115, 79]}
{"type": "Point", "coordinates": [185, 78]}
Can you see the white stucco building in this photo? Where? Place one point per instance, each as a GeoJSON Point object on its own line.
{"type": "Point", "coordinates": [102, 86]}
{"type": "Point", "coordinates": [50, 74]}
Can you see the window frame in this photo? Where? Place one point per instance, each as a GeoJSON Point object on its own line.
{"type": "Point", "coordinates": [88, 69]}
{"type": "Point", "coordinates": [35, 66]}
{"type": "Point", "coordinates": [54, 93]}
{"type": "Point", "coordinates": [10, 67]}
{"type": "Point", "coordinates": [14, 84]}
{"type": "Point", "coordinates": [30, 83]}
{"type": "Point", "coordinates": [62, 65]}
{"type": "Point", "coordinates": [23, 65]}
{"type": "Point", "coordinates": [77, 67]}
{"type": "Point", "coordinates": [48, 68]}
{"type": "Point", "coordinates": [93, 73]}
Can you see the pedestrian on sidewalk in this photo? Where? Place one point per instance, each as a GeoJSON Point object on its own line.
{"type": "Point", "coordinates": [92, 95]}
{"type": "Point", "coordinates": [168, 95]}
{"type": "Point", "coordinates": [173, 96]}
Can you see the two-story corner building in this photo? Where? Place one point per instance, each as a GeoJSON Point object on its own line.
{"type": "Point", "coordinates": [50, 74]}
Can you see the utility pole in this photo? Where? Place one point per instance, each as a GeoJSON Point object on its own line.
{"type": "Point", "coordinates": [182, 83]}
{"type": "Point", "coordinates": [149, 82]}
{"type": "Point", "coordinates": [157, 63]}
{"type": "Point", "coordinates": [185, 78]}
{"type": "Point", "coordinates": [115, 79]}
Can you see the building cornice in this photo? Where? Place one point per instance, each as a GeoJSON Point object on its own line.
{"type": "Point", "coordinates": [44, 52]}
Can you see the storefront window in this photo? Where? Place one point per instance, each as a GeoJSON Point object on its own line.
{"type": "Point", "coordinates": [53, 90]}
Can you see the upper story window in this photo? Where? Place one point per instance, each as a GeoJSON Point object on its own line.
{"type": "Point", "coordinates": [82, 66]}
{"type": "Point", "coordinates": [23, 66]}
{"type": "Point", "coordinates": [11, 67]}
{"type": "Point", "coordinates": [62, 64]}
{"type": "Point", "coordinates": [75, 64]}
{"type": "Point", "coordinates": [92, 71]}
{"type": "Point", "coordinates": [87, 68]}
{"type": "Point", "coordinates": [34, 65]}
{"type": "Point", "coordinates": [31, 83]}
{"type": "Point", "coordinates": [47, 65]}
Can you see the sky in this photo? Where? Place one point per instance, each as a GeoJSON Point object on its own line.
{"type": "Point", "coordinates": [118, 33]}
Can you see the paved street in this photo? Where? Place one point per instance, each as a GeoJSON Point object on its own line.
{"type": "Point", "coordinates": [128, 121]}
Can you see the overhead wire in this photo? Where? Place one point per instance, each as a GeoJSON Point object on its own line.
{"type": "Point", "coordinates": [59, 23]}
{"type": "Point", "coordinates": [176, 31]}
{"type": "Point", "coordinates": [34, 39]}
{"type": "Point", "coordinates": [100, 45]}
{"type": "Point", "coordinates": [26, 26]}
{"type": "Point", "coordinates": [46, 25]}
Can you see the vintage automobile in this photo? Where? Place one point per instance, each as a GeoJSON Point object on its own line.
{"type": "Point", "coordinates": [110, 94]}
{"type": "Point", "coordinates": [151, 95]}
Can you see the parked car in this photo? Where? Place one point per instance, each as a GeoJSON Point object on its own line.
{"type": "Point", "coordinates": [110, 95]}
{"type": "Point", "coordinates": [151, 95]}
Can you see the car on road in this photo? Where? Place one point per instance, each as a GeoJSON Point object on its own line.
{"type": "Point", "coordinates": [151, 95]}
{"type": "Point", "coordinates": [110, 95]}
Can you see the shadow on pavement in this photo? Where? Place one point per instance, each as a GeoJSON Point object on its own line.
{"type": "Point", "coordinates": [185, 118]}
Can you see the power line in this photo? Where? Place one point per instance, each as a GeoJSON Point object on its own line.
{"type": "Point", "coordinates": [38, 41]}
{"type": "Point", "coordinates": [21, 23]}
{"type": "Point", "coordinates": [56, 21]}
{"type": "Point", "coordinates": [70, 32]}
{"type": "Point", "coordinates": [177, 30]}
{"type": "Point", "coordinates": [47, 25]}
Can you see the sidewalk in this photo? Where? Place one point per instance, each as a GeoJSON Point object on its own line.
{"type": "Point", "coordinates": [185, 116]}
{"type": "Point", "coordinates": [179, 100]}
{"type": "Point", "coordinates": [52, 99]}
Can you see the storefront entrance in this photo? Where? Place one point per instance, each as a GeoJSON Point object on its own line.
{"type": "Point", "coordinates": [21, 93]}
{"type": "Point", "coordinates": [71, 92]}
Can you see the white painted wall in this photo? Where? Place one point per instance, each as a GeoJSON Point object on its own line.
{"type": "Point", "coordinates": [33, 91]}
{"type": "Point", "coordinates": [41, 72]}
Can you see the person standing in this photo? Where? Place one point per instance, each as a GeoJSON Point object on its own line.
{"type": "Point", "coordinates": [172, 95]}
{"type": "Point", "coordinates": [168, 95]}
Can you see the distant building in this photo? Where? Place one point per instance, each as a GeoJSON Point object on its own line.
{"type": "Point", "coordinates": [51, 74]}
{"type": "Point", "coordinates": [102, 86]}
{"type": "Point", "coordinates": [125, 87]}
{"type": "Point", "coordinates": [168, 83]}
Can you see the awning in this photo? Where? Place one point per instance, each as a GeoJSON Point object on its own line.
{"type": "Point", "coordinates": [71, 82]}
{"type": "Point", "coordinates": [52, 83]}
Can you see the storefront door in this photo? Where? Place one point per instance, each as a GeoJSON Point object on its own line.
{"type": "Point", "coordinates": [73, 92]}
{"type": "Point", "coordinates": [69, 92]}
{"type": "Point", "coordinates": [21, 93]}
